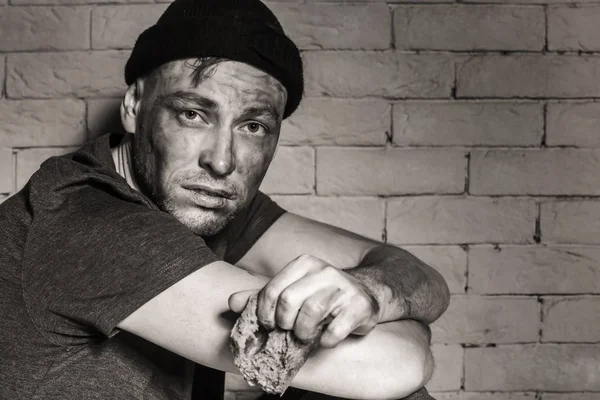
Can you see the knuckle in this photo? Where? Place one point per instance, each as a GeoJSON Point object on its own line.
{"type": "Point", "coordinates": [313, 308]}
{"type": "Point", "coordinates": [305, 257]}
{"type": "Point", "coordinates": [302, 332]}
{"type": "Point", "coordinates": [330, 270]}
{"type": "Point", "coordinates": [286, 299]}
{"type": "Point", "coordinates": [329, 341]}
{"type": "Point", "coordinates": [363, 301]}
{"type": "Point", "coordinates": [264, 320]}
{"type": "Point", "coordinates": [284, 323]}
{"type": "Point", "coordinates": [337, 332]}
{"type": "Point", "coordinates": [270, 294]}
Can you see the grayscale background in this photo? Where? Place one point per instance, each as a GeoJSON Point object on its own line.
{"type": "Point", "coordinates": [466, 132]}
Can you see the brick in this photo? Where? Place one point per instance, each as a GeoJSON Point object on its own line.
{"type": "Point", "coordinates": [528, 2]}
{"type": "Point", "coordinates": [480, 320]}
{"type": "Point", "coordinates": [573, 28]}
{"type": "Point", "coordinates": [571, 319]}
{"type": "Point", "coordinates": [484, 396]}
{"type": "Point", "coordinates": [535, 172]}
{"type": "Point", "coordinates": [570, 222]}
{"type": "Point", "coordinates": [534, 269]}
{"type": "Point", "coordinates": [448, 372]}
{"type": "Point", "coordinates": [569, 396]}
{"type": "Point", "coordinates": [29, 161]}
{"type": "Point", "coordinates": [103, 116]}
{"type": "Point", "coordinates": [291, 172]}
{"type": "Point", "coordinates": [74, 2]}
{"type": "Point", "coordinates": [362, 215]}
{"type": "Point", "coordinates": [339, 122]}
{"type": "Point", "coordinates": [450, 261]}
{"type": "Point", "coordinates": [561, 76]}
{"type": "Point", "coordinates": [385, 74]}
{"type": "Point", "coordinates": [573, 124]}
{"type": "Point", "coordinates": [118, 27]}
{"type": "Point", "coordinates": [469, 27]}
{"type": "Point", "coordinates": [83, 74]}
{"type": "Point", "coordinates": [390, 171]}
{"type": "Point", "coordinates": [336, 26]}
{"type": "Point", "coordinates": [459, 220]}
{"type": "Point", "coordinates": [462, 123]}
{"type": "Point", "coordinates": [7, 173]}
{"type": "Point", "coordinates": [567, 367]}
{"type": "Point", "coordinates": [44, 28]}
{"type": "Point", "coordinates": [310, 26]}
{"type": "Point", "coordinates": [42, 123]}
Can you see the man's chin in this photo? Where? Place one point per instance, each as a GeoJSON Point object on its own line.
{"type": "Point", "coordinates": [203, 222]}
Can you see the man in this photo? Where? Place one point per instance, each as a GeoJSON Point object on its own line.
{"type": "Point", "coordinates": [120, 262]}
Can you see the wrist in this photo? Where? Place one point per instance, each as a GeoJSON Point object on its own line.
{"type": "Point", "coordinates": [389, 308]}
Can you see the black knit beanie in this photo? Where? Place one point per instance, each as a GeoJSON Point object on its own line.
{"type": "Point", "coordinates": [238, 30]}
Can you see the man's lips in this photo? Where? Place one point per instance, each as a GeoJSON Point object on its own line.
{"type": "Point", "coordinates": [210, 191]}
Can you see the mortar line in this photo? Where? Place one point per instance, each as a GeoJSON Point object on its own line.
{"type": "Point", "coordinates": [467, 250]}
{"type": "Point", "coordinates": [315, 152]}
{"type": "Point", "coordinates": [467, 188]}
{"type": "Point", "coordinates": [91, 30]}
{"type": "Point", "coordinates": [390, 135]}
{"type": "Point", "coordinates": [393, 30]}
{"type": "Point", "coordinates": [14, 171]}
{"type": "Point", "coordinates": [545, 48]}
{"type": "Point", "coordinates": [537, 236]}
{"type": "Point", "coordinates": [540, 301]}
{"type": "Point", "coordinates": [5, 78]}
{"type": "Point", "coordinates": [463, 378]}
{"type": "Point", "coordinates": [385, 215]}
{"type": "Point", "coordinates": [545, 125]}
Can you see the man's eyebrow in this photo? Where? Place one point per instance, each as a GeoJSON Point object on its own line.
{"type": "Point", "coordinates": [266, 111]}
{"type": "Point", "coordinates": [189, 97]}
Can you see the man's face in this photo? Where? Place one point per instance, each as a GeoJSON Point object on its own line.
{"type": "Point", "coordinates": [201, 151]}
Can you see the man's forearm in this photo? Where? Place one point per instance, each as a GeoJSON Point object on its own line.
{"type": "Point", "coordinates": [404, 286]}
{"type": "Point", "coordinates": [391, 362]}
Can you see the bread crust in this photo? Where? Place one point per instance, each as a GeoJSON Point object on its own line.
{"type": "Point", "coordinates": [266, 358]}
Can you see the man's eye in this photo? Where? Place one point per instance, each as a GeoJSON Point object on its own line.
{"type": "Point", "coordinates": [190, 115]}
{"type": "Point", "coordinates": [256, 128]}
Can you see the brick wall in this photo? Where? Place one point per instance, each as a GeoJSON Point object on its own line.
{"type": "Point", "coordinates": [466, 132]}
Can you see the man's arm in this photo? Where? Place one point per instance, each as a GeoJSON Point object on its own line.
{"type": "Point", "coordinates": [189, 319]}
{"type": "Point", "coordinates": [403, 286]}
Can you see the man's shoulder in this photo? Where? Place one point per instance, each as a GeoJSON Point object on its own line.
{"type": "Point", "coordinates": [90, 167]}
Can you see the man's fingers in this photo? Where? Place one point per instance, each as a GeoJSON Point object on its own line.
{"type": "Point", "coordinates": [294, 296]}
{"type": "Point", "coordinates": [269, 295]}
{"type": "Point", "coordinates": [338, 329]}
{"type": "Point", "coordinates": [314, 310]}
{"type": "Point", "coordinates": [238, 300]}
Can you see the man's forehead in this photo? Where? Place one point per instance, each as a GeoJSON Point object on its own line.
{"type": "Point", "coordinates": [180, 74]}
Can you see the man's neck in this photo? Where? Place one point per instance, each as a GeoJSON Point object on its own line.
{"type": "Point", "coordinates": [122, 157]}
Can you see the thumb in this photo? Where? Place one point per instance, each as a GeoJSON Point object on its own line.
{"type": "Point", "coordinates": [238, 300]}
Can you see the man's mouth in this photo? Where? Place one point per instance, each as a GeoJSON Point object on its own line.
{"type": "Point", "coordinates": [209, 197]}
{"type": "Point", "coordinates": [210, 191]}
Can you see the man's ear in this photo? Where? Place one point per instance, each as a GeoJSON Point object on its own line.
{"type": "Point", "coordinates": [130, 106]}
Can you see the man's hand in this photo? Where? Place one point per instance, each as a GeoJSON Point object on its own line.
{"type": "Point", "coordinates": [308, 291]}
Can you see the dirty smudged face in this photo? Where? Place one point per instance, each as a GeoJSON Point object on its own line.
{"type": "Point", "coordinates": [201, 151]}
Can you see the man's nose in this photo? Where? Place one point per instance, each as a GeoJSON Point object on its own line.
{"type": "Point", "coordinates": [217, 153]}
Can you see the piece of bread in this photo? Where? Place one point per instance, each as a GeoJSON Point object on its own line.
{"type": "Point", "coordinates": [270, 359]}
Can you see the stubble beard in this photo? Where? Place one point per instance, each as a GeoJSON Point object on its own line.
{"type": "Point", "coordinates": [202, 222]}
